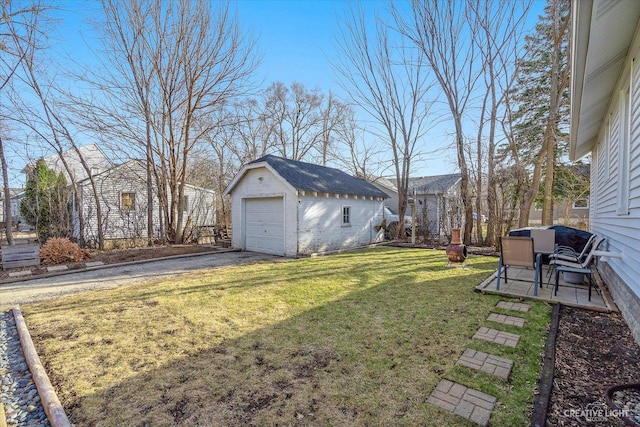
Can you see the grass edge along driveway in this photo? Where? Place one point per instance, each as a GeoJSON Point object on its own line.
{"type": "Point", "coordinates": [359, 338]}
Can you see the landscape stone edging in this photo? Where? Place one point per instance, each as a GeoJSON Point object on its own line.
{"type": "Point", "coordinates": [48, 397]}
{"type": "Point", "coordinates": [545, 384]}
{"type": "Point", "coordinates": [121, 264]}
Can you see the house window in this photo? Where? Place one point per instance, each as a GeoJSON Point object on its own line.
{"type": "Point", "coordinates": [581, 204]}
{"type": "Point", "coordinates": [128, 202]}
{"type": "Point", "coordinates": [185, 203]}
{"type": "Point", "coordinates": [346, 216]}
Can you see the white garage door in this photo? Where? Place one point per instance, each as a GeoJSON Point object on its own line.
{"type": "Point", "coordinates": [264, 225]}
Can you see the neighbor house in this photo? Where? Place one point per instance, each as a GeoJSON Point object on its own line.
{"type": "Point", "coordinates": [123, 200]}
{"type": "Point", "coordinates": [289, 208]}
{"type": "Point", "coordinates": [122, 190]}
{"type": "Point", "coordinates": [15, 197]}
{"type": "Point", "coordinates": [605, 121]}
{"type": "Point", "coordinates": [573, 208]}
{"type": "Point", "coordinates": [577, 213]}
{"type": "Point", "coordinates": [74, 170]}
{"type": "Point", "coordinates": [437, 201]}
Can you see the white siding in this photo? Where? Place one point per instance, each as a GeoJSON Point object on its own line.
{"type": "Point", "coordinates": [202, 206]}
{"type": "Point", "coordinates": [621, 231]}
{"type": "Point", "coordinates": [91, 154]}
{"type": "Point", "coordinates": [320, 222]}
{"type": "Point", "coordinates": [634, 143]}
{"type": "Point", "coordinates": [120, 224]}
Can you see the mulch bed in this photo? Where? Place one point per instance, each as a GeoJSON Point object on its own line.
{"type": "Point", "coordinates": [593, 352]}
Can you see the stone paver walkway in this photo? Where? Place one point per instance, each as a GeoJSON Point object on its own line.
{"type": "Point", "coordinates": [465, 402]}
{"type": "Point", "coordinates": [517, 306]}
{"type": "Point", "coordinates": [484, 362]}
{"type": "Point", "coordinates": [506, 320]}
{"type": "Point", "coordinates": [496, 336]}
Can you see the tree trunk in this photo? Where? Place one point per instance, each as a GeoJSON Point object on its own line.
{"type": "Point", "coordinates": [555, 93]}
{"type": "Point", "coordinates": [465, 186]}
{"type": "Point", "coordinates": [8, 220]}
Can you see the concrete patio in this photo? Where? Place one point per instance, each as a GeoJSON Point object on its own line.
{"type": "Point", "coordinates": [520, 285]}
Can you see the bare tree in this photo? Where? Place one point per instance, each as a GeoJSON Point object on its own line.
{"type": "Point", "coordinates": [8, 218]}
{"type": "Point", "coordinates": [540, 108]}
{"type": "Point", "coordinates": [297, 120]}
{"type": "Point", "coordinates": [500, 26]}
{"type": "Point", "coordinates": [45, 118]}
{"type": "Point", "coordinates": [126, 24]}
{"type": "Point", "coordinates": [334, 115]}
{"type": "Point", "coordinates": [252, 130]}
{"type": "Point", "coordinates": [444, 34]}
{"type": "Point", "coordinates": [228, 149]}
{"type": "Point", "coordinates": [171, 64]}
{"type": "Point", "coordinates": [559, 83]}
{"type": "Point", "coordinates": [362, 159]}
{"type": "Point", "coordinates": [390, 83]}
{"type": "Point", "coordinates": [18, 38]}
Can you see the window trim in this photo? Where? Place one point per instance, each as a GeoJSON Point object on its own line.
{"type": "Point", "coordinates": [133, 200]}
{"type": "Point", "coordinates": [346, 216]}
{"type": "Point", "coordinates": [586, 207]}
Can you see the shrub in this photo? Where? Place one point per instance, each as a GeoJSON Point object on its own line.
{"type": "Point", "coordinates": [60, 250]}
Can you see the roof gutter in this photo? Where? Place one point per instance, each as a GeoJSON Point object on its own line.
{"type": "Point", "coordinates": [581, 25]}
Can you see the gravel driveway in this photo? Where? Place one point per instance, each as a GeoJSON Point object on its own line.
{"type": "Point", "coordinates": [28, 291]}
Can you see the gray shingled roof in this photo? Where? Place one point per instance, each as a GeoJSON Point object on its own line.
{"type": "Point", "coordinates": [310, 177]}
{"type": "Point", "coordinates": [433, 184]}
{"type": "Point", "coordinates": [427, 184]}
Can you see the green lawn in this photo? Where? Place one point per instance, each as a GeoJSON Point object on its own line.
{"type": "Point", "coordinates": [360, 338]}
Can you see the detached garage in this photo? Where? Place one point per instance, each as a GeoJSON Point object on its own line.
{"type": "Point", "coordinates": [289, 208]}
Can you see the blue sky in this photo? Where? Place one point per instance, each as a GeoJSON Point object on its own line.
{"type": "Point", "coordinates": [296, 40]}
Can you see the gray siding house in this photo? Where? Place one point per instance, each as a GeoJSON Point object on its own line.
{"type": "Point", "coordinates": [605, 121]}
{"type": "Point", "coordinates": [290, 208]}
{"type": "Point", "coordinates": [123, 199]}
{"type": "Point", "coordinates": [123, 196]}
{"type": "Point", "coordinates": [74, 170]}
{"type": "Point", "coordinates": [437, 201]}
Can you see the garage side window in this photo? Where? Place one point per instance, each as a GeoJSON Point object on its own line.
{"type": "Point", "coordinates": [346, 216]}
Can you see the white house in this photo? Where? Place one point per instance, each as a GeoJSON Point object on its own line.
{"type": "Point", "coordinates": [92, 155]}
{"type": "Point", "coordinates": [122, 191]}
{"type": "Point", "coordinates": [289, 208]}
{"type": "Point", "coordinates": [605, 121]}
{"type": "Point", "coordinates": [123, 199]}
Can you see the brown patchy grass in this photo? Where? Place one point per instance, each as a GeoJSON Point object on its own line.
{"type": "Point", "coordinates": [353, 339]}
